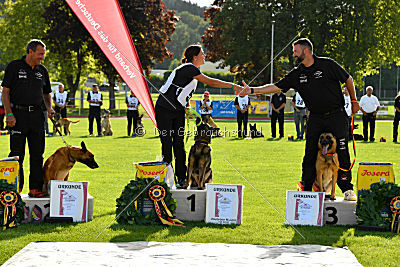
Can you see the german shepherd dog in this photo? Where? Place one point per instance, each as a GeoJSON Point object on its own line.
{"type": "Point", "coordinates": [62, 123]}
{"type": "Point", "coordinates": [106, 124]}
{"type": "Point", "coordinates": [58, 165]}
{"type": "Point", "coordinates": [199, 167]}
{"type": "Point", "coordinates": [209, 120]}
{"type": "Point", "coordinates": [254, 133]}
{"type": "Point", "coordinates": [327, 164]}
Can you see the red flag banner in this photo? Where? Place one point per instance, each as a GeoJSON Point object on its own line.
{"type": "Point", "coordinates": [106, 24]}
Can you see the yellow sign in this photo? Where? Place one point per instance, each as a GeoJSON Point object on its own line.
{"type": "Point", "coordinates": [151, 170]}
{"type": "Point", "coordinates": [372, 172]}
{"type": "Point", "coordinates": [9, 172]}
{"type": "Point", "coordinates": [259, 107]}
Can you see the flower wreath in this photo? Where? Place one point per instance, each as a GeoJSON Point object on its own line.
{"type": "Point", "coordinates": [133, 214]}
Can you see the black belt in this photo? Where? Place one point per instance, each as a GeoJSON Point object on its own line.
{"type": "Point", "coordinates": [26, 108]}
{"type": "Point", "coordinates": [329, 112]}
{"type": "Point", "coordinates": [300, 108]}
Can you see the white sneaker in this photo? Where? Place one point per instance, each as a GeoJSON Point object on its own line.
{"type": "Point", "coordinates": [349, 195]}
{"type": "Point", "coordinates": [92, 135]}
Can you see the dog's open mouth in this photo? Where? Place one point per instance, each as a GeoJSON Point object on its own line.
{"type": "Point", "coordinates": [325, 149]}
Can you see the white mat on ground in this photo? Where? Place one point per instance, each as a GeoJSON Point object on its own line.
{"type": "Point", "coordinates": [178, 254]}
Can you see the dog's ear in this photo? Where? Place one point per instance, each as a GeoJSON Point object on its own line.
{"type": "Point", "coordinates": [84, 149]}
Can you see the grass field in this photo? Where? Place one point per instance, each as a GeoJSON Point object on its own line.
{"type": "Point", "coordinates": [271, 166]}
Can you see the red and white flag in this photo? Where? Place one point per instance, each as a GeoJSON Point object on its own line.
{"type": "Point", "coordinates": [106, 24]}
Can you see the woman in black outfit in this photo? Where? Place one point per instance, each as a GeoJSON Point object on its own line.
{"type": "Point", "coordinates": [174, 97]}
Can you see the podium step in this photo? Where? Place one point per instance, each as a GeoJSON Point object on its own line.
{"type": "Point", "coordinates": [191, 204]}
{"type": "Point", "coordinates": [339, 212]}
{"type": "Point", "coordinates": [44, 205]}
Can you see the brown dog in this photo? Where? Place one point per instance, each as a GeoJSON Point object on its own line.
{"type": "Point", "coordinates": [62, 123]}
{"type": "Point", "coordinates": [327, 164]}
{"type": "Point", "coordinates": [106, 124]}
{"type": "Point", "coordinates": [58, 165]}
{"type": "Point", "coordinates": [199, 168]}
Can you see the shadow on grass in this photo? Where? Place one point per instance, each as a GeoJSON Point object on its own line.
{"type": "Point", "coordinates": [124, 137]}
{"type": "Point", "coordinates": [143, 232]}
{"type": "Point", "coordinates": [325, 235]}
{"type": "Point", "coordinates": [274, 139]}
{"type": "Point", "coordinates": [35, 228]}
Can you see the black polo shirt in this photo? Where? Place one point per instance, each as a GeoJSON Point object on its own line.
{"type": "Point", "coordinates": [397, 103]}
{"type": "Point", "coordinates": [319, 85]}
{"type": "Point", "coordinates": [278, 100]}
{"type": "Point", "coordinates": [26, 85]}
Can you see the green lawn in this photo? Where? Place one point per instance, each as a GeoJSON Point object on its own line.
{"type": "Point", "coordinates": [271, 166]}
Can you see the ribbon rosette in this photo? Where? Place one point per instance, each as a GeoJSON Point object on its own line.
{"type": "Point", "coordinates": [395, 208]}
{"type": "Point", "coordinates": [9, 200]}
{"type": "Point", "coordinates": [157, 194]}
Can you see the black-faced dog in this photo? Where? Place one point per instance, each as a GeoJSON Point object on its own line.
{"type": "Point", "coordinates": [199, 161]}
{"type": "Point", "coordinates": [254, 133]}
{"type": "Point", "coordinates": [58, 165]}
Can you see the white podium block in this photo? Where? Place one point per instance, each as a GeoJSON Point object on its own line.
{"type": "Point", "coordinates": [191, 204]}
{"type": "Point", "coordinates": [339, 212]}
{"type": "Point", "coordinates": [44, 205]}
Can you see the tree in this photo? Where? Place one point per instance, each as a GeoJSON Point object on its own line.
{"type": "Point", "coordinates": [69, 41]}
{"type": "Point", "coordinates": [151, 24]}
{"type": "Point", "coordinates": [20, 21]}
{"type": "Point", "coordinates": [356, 33]}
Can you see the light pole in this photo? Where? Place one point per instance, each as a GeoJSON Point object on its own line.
{"type": "Point", "coordinates": [272, 51]}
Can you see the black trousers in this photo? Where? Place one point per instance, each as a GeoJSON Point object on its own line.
{"type": "Point", "coordinates": [369, 119]}
{"type": "Point", "coordinates": [242, 118]}
{"type": "Point", "coordinates": [281, 119]}
{"type": "Point", "coordinates": [29, 126]}
{"type": "Point", "coordinates": [337, 124]}
{"type": "Point", "coordinates": [2, 121]}
{"type": "Point", "coordinates": [171, 128]}
{"type": "Point", "coordinates": [396, 125]}
{"type": "Point", "coordinates": [132, 118]}
{"type": "Point", "coordinates": [94, 113]}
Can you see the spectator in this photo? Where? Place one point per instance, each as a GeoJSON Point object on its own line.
{"type": "Point", "coordinates": [95, 99]}
{"type": "Point", "coordinates": [60, 100]}
{"type": "Point", "coordinates": [299, 114]}
{"type": "Point", "coordinates": [369, 106]}
{"type": "Point", "coordinates": [242, 104]}
{"type": "Point", "coordinates": [133, 113]}
{"type": "Point", "coordinates": [206, 107]}
{"type": "Point", "coordinates": [278, 103]}
{"type": "Point", "coordinates": [396, 117]}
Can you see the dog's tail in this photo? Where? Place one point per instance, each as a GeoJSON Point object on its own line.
{"type": "Point", "coordinates": [75, 121]}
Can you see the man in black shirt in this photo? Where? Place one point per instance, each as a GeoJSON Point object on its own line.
{"type": "Point", "coordinates": [396, 117]}
{"type": "Point", "coordinates": [278, 103]}
{"type": "Point", "coordinates": [318, 80]}
{"type": "Point", "coordinates": [26, 85]}
{"type": "Point", "coordinates": [95, 99]}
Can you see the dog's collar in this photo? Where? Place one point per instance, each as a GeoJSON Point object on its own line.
{"type": "Point", "coordinates": [329, 155]}
{"type": "Point", "coordinates": [197, 142]}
